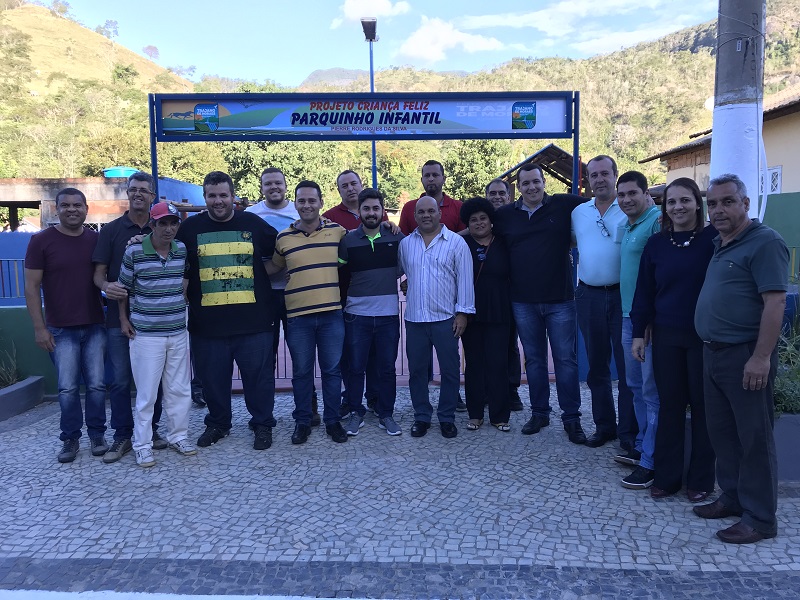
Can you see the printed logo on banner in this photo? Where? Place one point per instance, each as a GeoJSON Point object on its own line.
{"type": "Point", "coordinates": [523, 115]}
{"type": "Point", "coordinates": [206, 117]}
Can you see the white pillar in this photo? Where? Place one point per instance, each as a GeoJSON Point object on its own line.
{"type": "Point", "coordinates": [736, 143]}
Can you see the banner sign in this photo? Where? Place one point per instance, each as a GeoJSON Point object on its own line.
{"type": "Point", "coordinates": [318, 117]}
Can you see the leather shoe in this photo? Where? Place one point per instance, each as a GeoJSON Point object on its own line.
{"type": "Point", "coordinates": [301, 433]}
{"type": "Point", "coordinates": [535, 424]}
{"type": "Point", "coordinates": [419, 428]}
{"type": "Point", "coordinates": [575, 432]}
{"type": "Point", "coordinates": [598, 439]}
{"type": "Point", "coordinates": [448, 430]}
{"type": "Point", "coordinates": [337, 432]}
{"type": "Point", "coordinates": [742, 534]}
{"type": "Point", "coordinates": [695, 496]}
{"type": "Point", "coordinates": [715, 510]}
{"type": "Point", "coordinates": [656, 493]}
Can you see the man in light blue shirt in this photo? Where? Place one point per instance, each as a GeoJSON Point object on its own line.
{"type": "Point", "coordinates": [598, 227]}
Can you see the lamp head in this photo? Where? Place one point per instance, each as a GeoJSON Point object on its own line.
{"type": "Point", "coordinates": [369, 25]}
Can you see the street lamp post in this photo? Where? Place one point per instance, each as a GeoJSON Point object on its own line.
{"type": "Point", "coordinates": [369, 25]}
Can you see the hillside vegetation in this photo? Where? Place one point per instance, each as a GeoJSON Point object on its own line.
{"type": "Point", "coordinates": [62, 49]}
{"type": "Point", "coordinates": [88, 109]}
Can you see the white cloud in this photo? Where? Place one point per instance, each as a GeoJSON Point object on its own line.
{"type": "Point", "coordinates": [435, 37]}
{"type": "Point", "coordinates": [602, 42]}
{"type": "Point", "coordinates": [354, 10]}
{"type": "Point", "coordinates": [565, 18]}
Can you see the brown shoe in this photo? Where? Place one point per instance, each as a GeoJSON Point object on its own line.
{"type": "Point", "coordinates": [656, 493]}
{"type": "Point", "coordinates": [695, 496]}
{"type": "Point", "coordinates": [715, 510]}
{"type": "Point", "coordinates": [742, 534]}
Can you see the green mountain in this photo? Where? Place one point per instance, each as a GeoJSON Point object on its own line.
{"type": "Point", "coordinates": [75, 102]}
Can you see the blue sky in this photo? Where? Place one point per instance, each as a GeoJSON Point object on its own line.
{"type": "Point", "coordinates": [285, 41]}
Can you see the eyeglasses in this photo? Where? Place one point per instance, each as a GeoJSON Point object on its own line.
{"type": "Point", "coordinates": [481, 252]}
{"type": "Point", "coordinates": [139, 191]}
{"type": "Point", "coordinates": [603, 229]}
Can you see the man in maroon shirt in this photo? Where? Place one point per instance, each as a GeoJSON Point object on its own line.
{"type": "Point", "coordinates": [349, 185]}
{"type": "Point", "coordinates": [433, 180]}
{"type": "Point", "coordinates": [58, 264]}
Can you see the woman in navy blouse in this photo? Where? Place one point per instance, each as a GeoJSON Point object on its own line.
{"type": "Point", "coordinates": [671, 274]}
{"type": "Point", "coordinates": [489, 330]}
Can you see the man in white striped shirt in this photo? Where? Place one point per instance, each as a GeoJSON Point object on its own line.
{"type": "Point", "coordinates": [440, 295]}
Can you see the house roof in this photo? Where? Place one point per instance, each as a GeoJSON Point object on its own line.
{"type": "Point", "coordinates": [777, 105]}
{"type": "Point", "coordinates": [555, 162]}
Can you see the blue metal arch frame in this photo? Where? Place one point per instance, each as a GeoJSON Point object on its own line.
{"type": "Point", "coordinates": [572, 116]}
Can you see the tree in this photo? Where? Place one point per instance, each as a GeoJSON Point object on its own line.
{"type": "Point", "coordinates": [124, 74]}
{"type": "Point", "coordinates": [471, 164]}
{"type": "Point", "coordinates": [109, 29]}
{"type": "Point", "coordinates": [399, 165]}
{"type": "Point", "coordinates": [298, 160]}
{"type": "Point", "coordinates": [182, 71]}
{"type": "Point", "coordinates": [15, 60]}
{"type": "Point", "coordinates": [151, 52]}
{"type": "Point", "coordinates": [58, 8]}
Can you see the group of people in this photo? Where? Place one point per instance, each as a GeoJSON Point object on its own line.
{"type": "Point", "coordinates": [654, 291]}
{"type": "Point", "coordinates": [691, 311]}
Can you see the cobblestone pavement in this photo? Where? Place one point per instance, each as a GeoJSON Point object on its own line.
{"type": "Point", "coordinates": [485, 515]}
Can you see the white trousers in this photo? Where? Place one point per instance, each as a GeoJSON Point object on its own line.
{"type": "Point", "coordinates": [165, 360]}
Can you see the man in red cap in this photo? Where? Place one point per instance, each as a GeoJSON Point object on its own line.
{"type": "Point", "coordinates": [153, 271]}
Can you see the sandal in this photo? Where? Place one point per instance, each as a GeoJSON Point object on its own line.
{"type": "Point", "coordinates": [502, 426]}
{"type": "Point", "coordinates": [474, 424]}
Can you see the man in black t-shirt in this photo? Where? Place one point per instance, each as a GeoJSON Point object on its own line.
{"type": "Point", "coordinates": [230, 312]}
{"type": "Point", "coordinates": [537, 231]}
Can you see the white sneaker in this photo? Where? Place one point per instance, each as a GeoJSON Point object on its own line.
{"type": "Point", "coordinates": [184, 447]}
{"type": "Point", "coordinates": [145, 458]}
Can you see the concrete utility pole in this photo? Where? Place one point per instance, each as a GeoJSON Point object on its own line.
{"type": "Point", "coordinates": [736, 145]}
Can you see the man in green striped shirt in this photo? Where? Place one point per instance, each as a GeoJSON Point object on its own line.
{"type": "Point", "coordinates": [153, 271]}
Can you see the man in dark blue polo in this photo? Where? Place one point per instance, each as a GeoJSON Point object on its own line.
{"type": "Point", "coordinates": [372, 312]}
{"type": "Point", "coordinates": [537, 230]}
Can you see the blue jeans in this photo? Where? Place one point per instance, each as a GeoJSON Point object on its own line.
{"type": "Point", "coordinates": [252, 352]}
{"type": "Point", "coordinates": [80, 351]}
{"type": "Point", "coordinates": [535, 324]}
{"type": "Point", "coordinates": [600, 321]}
{"type": "Point", "coordinates": [322, 334]}
{"type": "Point", "coordinates": [642, 382]}
{"type": "Point", "coordinates": [363, 334]}
{"type": "Point", "coordinates": [420, 339]}
{"type": "Point", "coordinates": [119, 390]}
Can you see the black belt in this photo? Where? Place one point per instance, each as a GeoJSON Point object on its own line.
{"type": "Point", "coordinates": [722, 345]}
{"type": "Point", "coordinates": [607, 288]}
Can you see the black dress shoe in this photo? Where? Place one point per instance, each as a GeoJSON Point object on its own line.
{"type": "Point", "coordinates": [535, 424]}
{"type": "Point", "coordinates": [575, 432]}
{"type": "Point", "coordinates": [301, 433]}
{"type": "Point", "coordinates": [337, 432]}
{"type": "Point", "coordinates": [448, 430]}
{"type": "Point", "coordinates": [598, 439]}
{"type": "Point", "coordinates": [419, 428]}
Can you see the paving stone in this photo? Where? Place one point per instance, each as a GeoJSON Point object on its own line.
{"type": "Point", "coordinates": [520, 516]}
